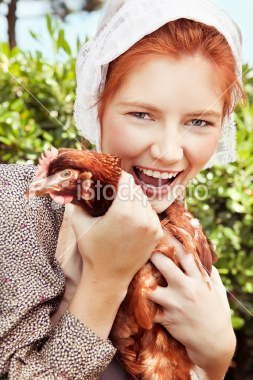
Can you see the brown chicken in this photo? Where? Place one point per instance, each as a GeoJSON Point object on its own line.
{"type": "Point", "coordinates": [145, 349]}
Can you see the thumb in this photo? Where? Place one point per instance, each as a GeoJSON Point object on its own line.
{"type": "Point", "coordinates": [81, 221]}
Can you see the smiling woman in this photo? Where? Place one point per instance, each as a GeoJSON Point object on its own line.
{"type": "Point", "coordinates": [153, 103]}
{"type": "Point", "coordinates": [174, 101]}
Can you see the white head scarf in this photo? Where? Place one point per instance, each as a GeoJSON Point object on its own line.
{"type": "Point", "coordinates": [123, 23]}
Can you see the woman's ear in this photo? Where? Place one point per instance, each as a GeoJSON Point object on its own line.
{"type": "Point", "coordinates": [62, 198]}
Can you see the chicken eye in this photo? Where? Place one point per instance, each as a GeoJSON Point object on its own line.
{"type": "Point", "coordinates": [66, 174]}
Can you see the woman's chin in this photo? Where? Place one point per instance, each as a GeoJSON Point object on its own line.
{"type": "Point", "coordinates": [160, 205]}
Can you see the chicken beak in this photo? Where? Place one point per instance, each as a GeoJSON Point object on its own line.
{"type": "Point", "coordinates": [42, 186]}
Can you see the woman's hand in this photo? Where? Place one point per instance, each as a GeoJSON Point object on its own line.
{"type": "Point", "coordinates": [196, 316]}
{"type": "Point", "coordinates": [114, 247]}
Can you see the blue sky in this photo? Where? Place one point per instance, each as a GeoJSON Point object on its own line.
{"type": "Point", "coordinates": [242, 12]}
{"type": "Point", "coordinates": [83, 24]}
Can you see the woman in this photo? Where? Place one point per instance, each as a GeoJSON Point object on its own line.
{"type": "Point", "coordinates": [164, 106]}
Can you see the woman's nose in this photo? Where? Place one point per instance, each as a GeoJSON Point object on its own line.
{"type": "Point", "coordinates": [168, 147]}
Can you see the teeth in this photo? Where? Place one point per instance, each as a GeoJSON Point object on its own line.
{"type": "Point", "coordinates": [157, 174]}
{"type": "Point", "coordinates": [165, 175]}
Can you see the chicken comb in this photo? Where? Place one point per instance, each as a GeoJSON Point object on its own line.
{"type": "Point", "coordinates": [44, 162]}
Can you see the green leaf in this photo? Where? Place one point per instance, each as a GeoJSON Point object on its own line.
{"type": "Point", "coordinates": [66, 47]}
{"type": "Point", "coordinates": [60, 39]}
{"type": "Point", "coordinates": [223, 270]}
{"type": "Point", "coordinates": [235, 206]}
{"type": "Point", "coordinates": [34, 35]}
{"type": "Point", "coordinates": [6, 49]}
{"type": "Point", "coordinates": [47, 136]}
{"type": "Point", "coordinates": [78, 44]}
{"type": "Point", "coordinates": [5, 140]}
{"type": "Point", "coordinates": [237, 322]}
{"type": "Point", "coordinates": [248, 287]}
{"type": "Point", "coordinates": [233, 194]}
{"type": "Point", "coordinates": [49, 25]}
{"type": "Point", "coordinates": [249, 170]}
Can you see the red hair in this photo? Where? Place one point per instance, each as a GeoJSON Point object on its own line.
{"type": "Point", "coordinates": [175, 39]}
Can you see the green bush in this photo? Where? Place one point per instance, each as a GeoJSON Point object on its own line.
{"type": "Point", "coordinates": [36, 100]}
{"type": "Point", "coordinates": [36, 106]}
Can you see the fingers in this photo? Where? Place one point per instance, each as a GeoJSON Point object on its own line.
{"type": "Point", "coordinates": [165, 296]}
{"type": "Point", "coordinates": [131, 203]}
{"type": "Point", "coordinates": [129, 191]}
{"type": "Point", "coordinates": [169, 270]}
{"type": "Point", "coordinates": [185, 258]}
{"type": "Point", "coordinates": [215, 277]}
{"type": "Point", "coordinates": [160, 297]}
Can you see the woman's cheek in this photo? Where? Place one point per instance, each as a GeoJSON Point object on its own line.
{"type": "Point", "coordinates": [121, 141]}
{"type": "Point", "coordinates": [200, 152]}
{"type": "Point", "coordinates": [209, 146]}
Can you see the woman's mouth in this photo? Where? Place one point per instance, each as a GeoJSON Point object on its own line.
{"type": "Point", "coordinates": [153, 182]}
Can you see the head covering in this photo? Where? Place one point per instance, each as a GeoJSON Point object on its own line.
{"type": "Point", "coordinates": [123, 23]}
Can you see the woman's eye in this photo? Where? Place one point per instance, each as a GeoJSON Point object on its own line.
{"type": "Point", "coordinates": [141, 115]}
{"type": "Point", "coordinates": [198, 123]}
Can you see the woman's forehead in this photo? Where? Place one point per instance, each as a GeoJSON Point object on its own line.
{"type": "Point", "coordinates": [168, 83]}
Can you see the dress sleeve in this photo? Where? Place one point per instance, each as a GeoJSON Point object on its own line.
{"type": "Point", "coordinates": [31, 288]}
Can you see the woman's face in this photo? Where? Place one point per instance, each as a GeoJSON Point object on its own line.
{"type": "Point", "coordinates": [163, 121]}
